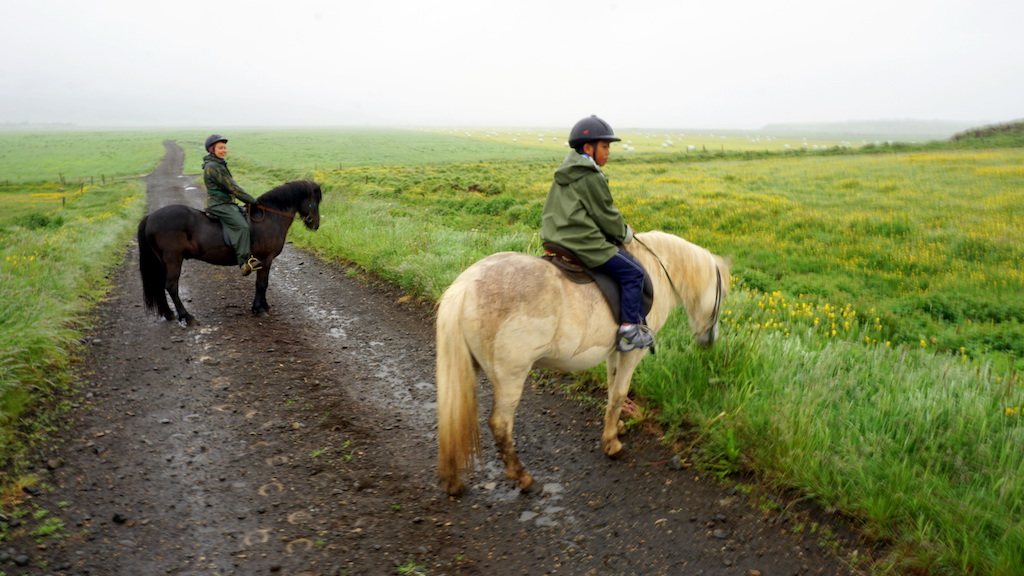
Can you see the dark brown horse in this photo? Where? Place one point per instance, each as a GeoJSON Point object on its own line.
{"type": "Point", "coordinates": [177, 233]}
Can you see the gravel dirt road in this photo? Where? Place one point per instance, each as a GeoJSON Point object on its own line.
{"type": "Point", "coordinates": [302, 444]}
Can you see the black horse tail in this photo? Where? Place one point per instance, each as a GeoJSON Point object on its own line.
{"type": "Point", "coordinates": [154, 274]}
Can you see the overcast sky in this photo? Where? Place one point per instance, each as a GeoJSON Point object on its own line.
{"type": "Point", "coordinates": [532, 63]}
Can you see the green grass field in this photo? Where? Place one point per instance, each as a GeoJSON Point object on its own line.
{"type": "Point", "coordinates": [75, 158]}
{"type": "Point", "coordinates": [872, 341]}
{"type": "Point", "coordinates": [637, 142]}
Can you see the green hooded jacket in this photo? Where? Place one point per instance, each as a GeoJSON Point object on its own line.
{"type": "Point", "coordinates": [221, 187]}
{"type": "Point", "coordinates": [579, 213]}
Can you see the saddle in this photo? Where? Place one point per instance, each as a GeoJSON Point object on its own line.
{"type": "Point", "coordinates": [577, 272]}
{"type": "Point", "coordinates": [223, 232]}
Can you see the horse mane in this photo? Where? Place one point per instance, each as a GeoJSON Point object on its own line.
{"type": "Point", "coordinates": [663, 242]}
{"type": "Point", "coordinates": [290, 194]}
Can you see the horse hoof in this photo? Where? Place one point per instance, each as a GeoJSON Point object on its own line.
{"type": "Point", "coordinates": [455, 489]}
{"type": "Point", "coordinates": [525, 482]}
{"type": "Point", "coordinates": [614, 450]}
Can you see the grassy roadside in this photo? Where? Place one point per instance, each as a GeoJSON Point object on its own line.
{"type": "Point", "coordinates": [53, 269]}
{"type": "Point", "coordinates": [72, 200]}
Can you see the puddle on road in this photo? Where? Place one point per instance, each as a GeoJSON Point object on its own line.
{"type": "Point", "coordinates": [397, 373]}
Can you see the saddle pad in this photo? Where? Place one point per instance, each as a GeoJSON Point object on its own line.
{"type": "Point", "coordinates": [576, 272]}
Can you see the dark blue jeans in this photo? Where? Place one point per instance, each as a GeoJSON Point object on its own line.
{"type": "Point", "coordinates": [630, 275]}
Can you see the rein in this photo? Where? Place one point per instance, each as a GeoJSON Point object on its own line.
{"type": "Point", "coordinates": [265, 209]}
{"type": "Point", "coordinates": [252, 212]}
{"type": "Point", "coordinates": [718, 288]}
{"type": "Point", "coordinates": [662, 264]}
{"type": "Point", "coordinates": [718, 298]}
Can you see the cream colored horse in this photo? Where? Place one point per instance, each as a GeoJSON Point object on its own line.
{"type": "Point", "coordinates": [511, 312]}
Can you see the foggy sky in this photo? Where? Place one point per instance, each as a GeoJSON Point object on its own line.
{"type": "Point", "coordinates": [637, 63]}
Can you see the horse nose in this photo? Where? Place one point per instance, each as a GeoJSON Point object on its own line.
{"type": "Point", "coordinates": [708, 337]}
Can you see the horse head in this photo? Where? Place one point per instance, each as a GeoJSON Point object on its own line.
{"type": "Point", "coordinates": [698, 279]}
{"type": "Point", "coordinates": [707, 334]}
{"type": "Point", "coordinates": [309, 207]}
{"type": "Point", "coordinates": [298, 197]}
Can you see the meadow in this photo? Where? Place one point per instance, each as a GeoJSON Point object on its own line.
{"type": "Point", "coordinates": [64, 226]}
{"type": "Point", "coordinates": [872, 340]}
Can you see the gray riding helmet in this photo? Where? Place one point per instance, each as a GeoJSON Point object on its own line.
{"type": "Point", "coordinates": [591, 129]}
{"type": "Point", "coordinates": [213, 139]}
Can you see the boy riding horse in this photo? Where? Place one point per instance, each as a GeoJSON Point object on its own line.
{"type": "Point", "coordinates": [580, 216]}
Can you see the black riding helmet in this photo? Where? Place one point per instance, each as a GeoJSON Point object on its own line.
{"type": "Point", "coordinates": [213, 139]}
{"type": "Point", "coordinates": [591, 129]}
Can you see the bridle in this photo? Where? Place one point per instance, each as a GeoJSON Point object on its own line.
{"type": "Point", "coordinates": [253, 207]}
{"type": "Point", "coordinates": [718, 288]}
{"type": "Point", "coordinates": [718, 300]}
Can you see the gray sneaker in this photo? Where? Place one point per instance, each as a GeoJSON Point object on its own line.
{"type": "Point", "coordinates": [634, 337]}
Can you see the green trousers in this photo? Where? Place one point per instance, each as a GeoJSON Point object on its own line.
{"type": "Point", "coordinates": [236, 227]}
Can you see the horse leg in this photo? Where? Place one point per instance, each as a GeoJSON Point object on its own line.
{"type": "Point", "coordinates": [620, 374]}
{"type": "Point", "coordinates": [163, 308]}
{"type": "Point", "coordinates": [171, 286]}
{"type": "Point", "coordinates": [260, 306]}
{"type": "Point", "coordinates": [508, 390]}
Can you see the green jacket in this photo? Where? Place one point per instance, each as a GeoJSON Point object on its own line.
{"type": "Point", "coordinates": [221, 188]}
{"type": "Point", "coordinates": [579, 213]}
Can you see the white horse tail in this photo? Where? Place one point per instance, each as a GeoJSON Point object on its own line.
{"type": "Point", "coordinates": [458, 431]}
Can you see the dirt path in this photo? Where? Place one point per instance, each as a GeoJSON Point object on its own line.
{"type": "Point", "coordinates": [303, 444]}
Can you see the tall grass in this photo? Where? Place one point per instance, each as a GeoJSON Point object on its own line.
{"type": "Point", "coordinates": [69, 207]}
{"type": "Point", "coordinates": [53, 269]}
{"type": "Point", "coordinates": [922, 448]}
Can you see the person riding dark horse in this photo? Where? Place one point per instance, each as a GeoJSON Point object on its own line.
{"type": "Point", "coordinates": [222, 190]}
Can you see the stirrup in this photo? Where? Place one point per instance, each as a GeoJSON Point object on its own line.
{"type": "Point", "coordinates": [252, 264]}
